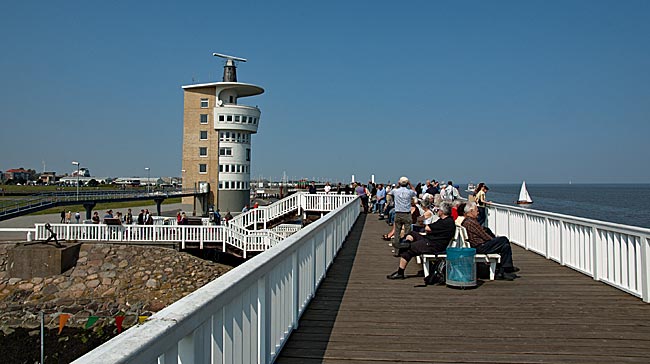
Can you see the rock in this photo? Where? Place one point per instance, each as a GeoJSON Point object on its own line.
{"type": "Point", "coordinates": [95, 263]}
{"type": "Point", "coordinates": [26, 286]}
{"type": "Point", "coordinates": [108, 266]}
{"type": "Point", "coordinates": [93, 284]}
{"type": "Point", "coordinates": [151, 283]}
{"type": "Point", "coordinates": [123, 264]}
{"type": "Point", "coordinates": [13, 281]}
{"type": "Point", "coordinates": [108, 274]}
{"type": "Point", "coordinates": [108, 292]}
{"type": "Point", "coordinates": [50, 289]}
{"type": "Point", "coordinates": [37, 280]}
{"type": "Point", "coordinates": [77, 287]}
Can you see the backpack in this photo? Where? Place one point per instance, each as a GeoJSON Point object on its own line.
{"type": "Point", "coordinates": [437, 272]}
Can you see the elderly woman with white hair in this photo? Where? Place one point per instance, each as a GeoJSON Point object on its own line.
{"type": "Point", "coordinates": [437, 237]}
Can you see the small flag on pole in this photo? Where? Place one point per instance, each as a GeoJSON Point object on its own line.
{"type": "Point", "coordinates": [118, 322]}
{"type": "Point", "coordinates": [91, 321]}
{"type": "Point", "coordinates": [63, 318]}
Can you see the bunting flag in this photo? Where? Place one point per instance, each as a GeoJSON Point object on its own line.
{"type": "Point", "coordinates": [63, 318]}
{"type": "Point", "coordinates": [142, 319]}
{"type": "Point", "coordinates": [91, 321]}
{"type": "Point", "coordinates": [118, 322]}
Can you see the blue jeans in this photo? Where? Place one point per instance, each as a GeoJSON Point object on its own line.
{"type": "Point", "coordinates": [391, 216]}
{"type": "Point", "coordinates": [379, 207]}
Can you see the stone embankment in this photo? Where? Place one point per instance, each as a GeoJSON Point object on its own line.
{"type": "Point", "coordinates": [108, 280]}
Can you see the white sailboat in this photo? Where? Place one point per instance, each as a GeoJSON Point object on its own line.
{"type": "Point", "coordinates": [524, 197]}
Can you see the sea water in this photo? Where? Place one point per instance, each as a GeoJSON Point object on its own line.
{"type": "Point", "coordinates": [627, 204]}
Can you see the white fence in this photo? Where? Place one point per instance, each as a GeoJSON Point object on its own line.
{"type": "Point", "coordinates": [237, 233]}
{"type": "Point", "coordinates": [245, 316]}
{"type": "Point", "coordinates": [618, 255]}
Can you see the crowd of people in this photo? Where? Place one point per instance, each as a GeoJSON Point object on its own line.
{"type": "Point", "coordinates": [423, 219]}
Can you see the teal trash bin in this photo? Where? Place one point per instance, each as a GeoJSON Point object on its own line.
{"type": "Point", "coordinates": [461, 269]}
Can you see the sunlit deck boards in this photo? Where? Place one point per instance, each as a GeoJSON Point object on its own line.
{"type": "Point", "coordinates": [551, 314]}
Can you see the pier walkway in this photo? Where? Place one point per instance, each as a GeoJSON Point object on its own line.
{"type": "Point", "coordinates": [551, 314]}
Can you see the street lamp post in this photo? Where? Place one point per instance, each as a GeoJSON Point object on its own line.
{"type": "Point", "coordinates": [148, 179]}
{"type": "Point", "coordinates": [77, 164]}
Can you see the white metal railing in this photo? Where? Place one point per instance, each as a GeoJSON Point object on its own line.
{"type": "Point", "coordinates": [286, 230]}
{"type": "Point", "coordinates": [237, 233]}
{"type": "Point", "coordinates": [245, 316]}
{"type": "Point", "coordinates": [616, 254]}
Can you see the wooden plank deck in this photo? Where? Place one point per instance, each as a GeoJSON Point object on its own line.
{"type": "Point", "coordinates": [551, 314]}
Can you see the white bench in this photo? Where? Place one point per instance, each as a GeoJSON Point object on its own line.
{"type": "Point", "coordinates": [460, 240]}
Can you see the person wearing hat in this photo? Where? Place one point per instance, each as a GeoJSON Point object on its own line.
{"type": "Point", "coordinates": [402, 198]}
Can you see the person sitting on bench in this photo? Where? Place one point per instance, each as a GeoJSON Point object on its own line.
{"type": "Point", "coordinates": [486, 244]}
{"type": "Point", "coordinates": [437, 237]}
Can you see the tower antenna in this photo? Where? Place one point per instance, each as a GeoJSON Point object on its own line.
{"type": "Point", "coordinates": [230, 69]}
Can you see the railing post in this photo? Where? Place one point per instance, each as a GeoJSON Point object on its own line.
{"type": "Point", "coordinates": [546, 239]}
{"type": "Point", "coordinates": [295, 281]}
{"type": "Point", "coordinates": [263, 322]}
{"type": "Point", "coordinates": [561, 247]}
{"type": "Point", "coordinates": [645, 268]}
{"type": "Point", "coordinates": [595, 253]}
{"type": "Point", "coordinates": [526, 231]}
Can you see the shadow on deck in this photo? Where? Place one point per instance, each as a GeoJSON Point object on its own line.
{"type": "Point", "coordinates": [551, 314]}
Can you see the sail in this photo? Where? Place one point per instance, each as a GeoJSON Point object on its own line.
{"type": "Point", "coordinates": [523, 193]}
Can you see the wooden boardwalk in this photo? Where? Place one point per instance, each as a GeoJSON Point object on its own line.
{"type": "Point", "coordinates": [551, 314]}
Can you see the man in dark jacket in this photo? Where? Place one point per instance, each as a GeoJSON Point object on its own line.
{"type": "Point", "coordinates": [438, 235]}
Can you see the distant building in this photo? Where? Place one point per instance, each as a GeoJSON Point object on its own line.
{"type": "Point", "coordinates": [217, 139]}
{"type": "Point", "coordinates": [48, 177]}
{"type": "Point", "coordinates": [83, 172]}
{"type": "Point", "coordinates": [16, 174]}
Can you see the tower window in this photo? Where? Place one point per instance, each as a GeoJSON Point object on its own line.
{"type": "Point", "coordinates": [204, 103]}
{"type": "Point", "coordinates": [203, 135]}
{"type": "Point", "coordinates": [221, 118]}
{"type": "Point", "coordinates": [232, 99]}
{"type": "Point", "coordinates": [203, 168]}
{"type": "Point", "coordinates": [229, 118]}
{"type": "Point", "coordinates": [225, 151]}
{"type": "Point", "coordinates": [236, 118]}
{"type": "Point", "coordinates": [204, 118]}
{"type": "Point", "coordinates": [203, 151]}
{"type": "Point", "coordinates": [244, 119]}
{"type": "Point", "coordinates": [248, 154]}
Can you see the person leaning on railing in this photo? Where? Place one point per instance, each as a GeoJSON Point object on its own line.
{"type": "Point", "coordinates": [487, 244]}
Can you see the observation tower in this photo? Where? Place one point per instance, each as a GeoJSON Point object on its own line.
{"type": "Point", "coordinates": [217, 132]}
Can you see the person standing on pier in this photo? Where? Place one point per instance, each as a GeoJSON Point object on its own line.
{"type": "Point", "coordinates": [402, 197]}
{"type": "Point", "coordinates": [381, 200]}
{"type": "Point", "coordinates": [481, 202]}
{"type": "Point", "coordinates": [312, 188]}
{"type": "Point", "coordinates": [360, 190]}
{"type": "Point", "coordinates": [327, 188]}
{"type": "Point", "coordinates": [141, 217]}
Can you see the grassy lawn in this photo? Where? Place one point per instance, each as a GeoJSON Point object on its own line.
{"type": "Point", "coordinates": [105, 206]}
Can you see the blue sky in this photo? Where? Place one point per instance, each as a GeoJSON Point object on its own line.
{"type": "Point", "coordinates": [495, 91]}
